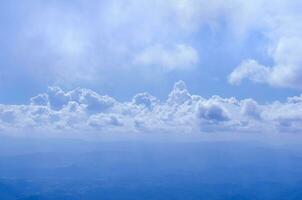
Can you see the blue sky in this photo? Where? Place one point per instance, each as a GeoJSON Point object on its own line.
{"type": "Point", "coordinates": [181, 97]}
{"type": "Point", "coordinates": [244, 53]}
{"type": "Point", "coordinates": [110, 46]}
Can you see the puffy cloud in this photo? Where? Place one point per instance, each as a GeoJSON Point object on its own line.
{"type": "Point", "coordinates": [250, 69]}
{"type": "Point", "coordinates": [251, 108]}
{"type": "Point", "coordinates": [41, 100]}
{"type": "Point", "coordinates": [57, 97]}
{"type": "Point", "coordinates": [145, 99]}
{"type": "Point", "coordinates": [179, 94]}
{"type": "Point", "coordinates": [212, 112]}
{"type": "Point", "coordinates": [295, 99]}
{"type": "Point", "coordinates": [86, 110]}
{"type": "Point", "coordinates": [93, 101]}
{"type": "Point", "coordinates": [279, 23]}
{"type": "Point", "coordinates": [286, 71]}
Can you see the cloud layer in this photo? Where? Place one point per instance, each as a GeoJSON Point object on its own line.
{"type": "Point", "coordinates": [68, 42]}
{"type": "Point", "coordinates": [85, 110]}
{"type": "Point", "coordinates": [88, 38]}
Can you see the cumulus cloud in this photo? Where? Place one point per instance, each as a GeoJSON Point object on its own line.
{"type": "Point", "coordinates": [179, 94]}
{"type": "Point", "coordinates": [251, 108]}
{"type": "Point", "coordinates": [145, 99]}
{"type": "Point", "coordinates": [85, 110]}
{"type": "Point", "coordinates": [251, 70]}
{"type": "Point", "coordinates": [280, 25]}
{"type": "Point", "coordinates": [41, 99]}
{"type": "Point", "coordinates": [212, 113]}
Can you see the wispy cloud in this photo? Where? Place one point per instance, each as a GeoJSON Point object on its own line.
{"type": "Point", "coordinates": [179, 57]}
{"type": "Point", "coordinates": [88, 38]}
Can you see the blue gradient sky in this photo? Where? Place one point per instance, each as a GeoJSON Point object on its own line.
{"type": "Point", "coordinates": [109, 46]}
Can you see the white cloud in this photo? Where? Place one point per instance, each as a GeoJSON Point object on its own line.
{"type": "Point", "coordinates": [145, 99]}
{"type": "Point", "coordinates": [85, 110]}
{"type": "Point", "coordinates": [40, 100]}
{"type": "Point", "coordinates": [249, 69]}
{"type": "Point", "coordinates": [280, 25]}
{"type": "Point", "coordinates": [82, 40]}
{"type": "Point", "coordinates": [65, 41]}
{"type": "Point", "coordinates": [179, 94]}
{"type": "Point", "coordinates": [251, 108]}
{"type": "Point", "coordinates": [179, 57]}
{"type": "Point", "coordinates": [286, 71]}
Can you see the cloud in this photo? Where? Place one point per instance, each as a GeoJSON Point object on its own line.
{"type": "Point", "coordinates": [251, 108]}
{"type": "Point", "coordinates": [251, 70]}
{"type": "Point", "coordinates": [179, 94]}
{"type": "Point", "coordinates": [145, 99]}
{"type": "Point", "coordinates": [179, 57]}
{"type": "Point", "coordinates": [83, 40]}
{"type": "Point", "coordinates": [87, 111]}
{"type": "Point", "coordinates": [279, 23]}
{"type": "Point", "coordinates": [40, 99]}
{"type": "Point", "coordinates": [212, 113]}
{"type": "Point", "coordinates": [64, 42]}
{"type": "Point", "coordinates": [80, 40]}
{"type": "Point", "coordinates": [286, 71]}
{"type": "Point", "coordinates": [56, 98]}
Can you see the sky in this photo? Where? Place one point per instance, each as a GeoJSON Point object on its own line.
{"type": "Point", "coordinates": [151, 66]}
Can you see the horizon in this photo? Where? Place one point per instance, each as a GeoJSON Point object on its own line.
{"type": "Point", "coordinates": [150, 99]}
